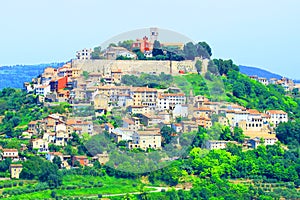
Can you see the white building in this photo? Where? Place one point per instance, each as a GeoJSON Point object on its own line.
{"type": "Point", "coordinates": [180, 111]}
{"type": "Point", "coordinates": [168, 101]}
{"type": "Point", "coordinates": [216, 144]}
{"type": "Point", "coordinates": [42, 90]}
{"type": "Point", "coordinates": [255, 142]}
{"type": "Point", "coordinates": [277, 116]}
{"type": "Point", "coordinates": [84, 54]}
{"type": "Point", "coordinates": [121, 134]}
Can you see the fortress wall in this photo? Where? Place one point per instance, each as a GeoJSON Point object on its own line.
{"type": "Point", "coordinates": [135, 66]}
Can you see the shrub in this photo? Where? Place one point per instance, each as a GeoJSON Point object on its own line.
{"type": "Point", "coordinates": [99, 184]}
{"type": "Point", "coordinates": [53, 194]}
{"type": "Point", "coordinates": [163, 190]}
{"type": "Point", "coordinates": [99, 195]}
{"type": "Point", "coordinates": [21, 183]}
{"type": "Point", "coordinates": [134, 185]}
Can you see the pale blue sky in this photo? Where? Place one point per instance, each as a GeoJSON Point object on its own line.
{"type": "Point", "coordinates": [262, 33]}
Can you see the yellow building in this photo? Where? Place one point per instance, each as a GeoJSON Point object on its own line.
{"type": "Point", "coordinates": [202, 112]}
{"type": "Point", "coordinates": [146, 139]}
{"type": "Point", "coordinates": [116, 75]}
{"type": "Point", "coordinates": [15, 170]}
{"type": "Point", "coordinates": [76, 72]}
{"type": "Point", "coordinates": [144, 96]}
{"type": "Point", "coordinates": [101, 102]}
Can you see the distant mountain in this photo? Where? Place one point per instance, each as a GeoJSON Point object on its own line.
{"type": "Point", "coordinates": [15, 76]}
{"type": "Point", "coordinates": [259, 72]}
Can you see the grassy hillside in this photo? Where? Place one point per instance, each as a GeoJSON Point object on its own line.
{"type": "Point", "coordinates": [238, 88]}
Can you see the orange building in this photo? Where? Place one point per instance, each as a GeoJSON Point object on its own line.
{"type": "Point", "coordinates": [59, 83]}
{"type": "Point", "coordinates": [83, 160]}
{"type": "Point", "coordinates": [143, 44]}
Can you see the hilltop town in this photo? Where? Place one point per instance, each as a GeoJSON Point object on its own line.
{"type": "Point", "coordinates": [137, 113]}
{"type": "Point", "coordinates": [96, 99]}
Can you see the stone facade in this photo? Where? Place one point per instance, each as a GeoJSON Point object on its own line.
{"type": "Point", "coordinates": [136, 66]}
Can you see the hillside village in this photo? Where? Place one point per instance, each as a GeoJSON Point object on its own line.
{"type": "Point", "coordinates": [142, 111]}
{"type": "Point", "coordinates": [139, 113]}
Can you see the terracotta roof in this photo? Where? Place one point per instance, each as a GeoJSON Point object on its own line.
{"type": "Point", "coordinates": [203, 109]}
{"type": "Point", "coordinates": [108, 87]}
{"type": "Point", "coordinates": [10, 150]}
{"type": "Point", "coordinates": [143, 89]}
{"type": "Point", "coordinates": [80, 157]}
{"type": "Point", "coordinates": [33, 122]}
{"type": "Point", "coordinates": [71, 122]}
{"type": "Point", "coordinates": [241, 112]}
{"type": "Point", "coordinates": [152, 116]}
{"type": "Point", "coordinates": [178, 125]}
{"type": "Point", "coordinates": [203, 118]}
{"type": "Point", "coordinates": [116, 71]}
{"type": "Point", "coordinates": [237, 106]}
{"type": "Point", "coordinates": [63, 92]}
{"type": "Point", "coordinates": [128, 121]}
{"type": "Point", "coordinates": [276, 112]}
{"type": "Point", "coordinates": [171, 95]}
{"type": "Point", "coordinates": [265, 115]}
{"type": "Point", "coordinates": [16, 165]}
{"type": "Point", "coordinates": [55, 153]}
{"type": "Point", "coordinates": [43, 86]}
{"type": "Point", "coordinates": [253, 112]}
{"type": "Point", "coordinates": [150, 133]}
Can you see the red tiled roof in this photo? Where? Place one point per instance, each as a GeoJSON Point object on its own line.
{"type": "Point", "coordinates": [10, 150]}
{"type": "Point", "coordinates": [203, 109]}
{"type": "Point", "coordinates": [276, 112]}
{"type": "Point", "coordinates": [128, 121]}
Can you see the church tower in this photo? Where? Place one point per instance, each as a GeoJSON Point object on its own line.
{"type": "Point", "coordinates": [153, 34]}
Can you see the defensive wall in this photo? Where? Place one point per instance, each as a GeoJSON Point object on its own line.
{"type": "Point", "coordinates": [137, 66]}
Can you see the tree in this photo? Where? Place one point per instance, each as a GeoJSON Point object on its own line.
{"type": "Point", "coordinates": [166, 133]}
{"type": "Point", "coordinates": [238, 135]}
{"type": "Point", "coordinates": [156, 45]}
{"type": "Point", "coordinates": [96, 53]}
{"type": "Point", "coordinates": [224, 66]}
{"type": "Point", "coordinates": [201, 51]}
{"type": "Point", "coordinates": [198, 66]}
{"type": "Point", "coordinates": [212, 68]}
{"type": "Point", "coordinates": [238, 89]}
{"type": "Point", "coordinates": [208, 76]}
{"type": "Point", "coordinates": [112, 45]}
{"type": "Point", "coordinates": [44, 171]}
{"type": "Point", "coordinates": [4, 165]}
{"type": "Point", "coordinates": [288, 133]}
{"type": "Point", "coordinates": [206, 47]}
{"type": "Point", "coordinates": [57, 161]}
{"type": "Point", "coordinates": [127, 44]}
{"type": "Point", "coordinates": [190, 51]}
{"type": "Point", "coordinates": [226, 134]}
{"type": "Point", "coordinates": [53, 194]}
